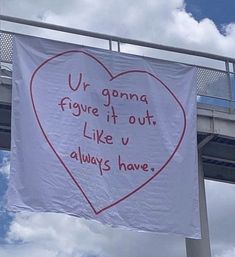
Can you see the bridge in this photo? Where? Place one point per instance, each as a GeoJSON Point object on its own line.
{"type": "Point", "coordinates": [215, 105]}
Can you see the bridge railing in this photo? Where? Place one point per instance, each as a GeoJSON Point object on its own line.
{"type": "Point", "coordinates": [215, 74]}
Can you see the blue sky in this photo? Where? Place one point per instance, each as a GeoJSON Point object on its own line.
{"type": "Point", "coordinates": [165, 22]}
{"type": "Point", "coordinates": [5, 218]}
{"type": "Point", "coordinates": [221, 12]}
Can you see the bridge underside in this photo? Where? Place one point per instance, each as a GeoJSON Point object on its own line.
{"type": "Point", "coordinates": [218, 157]}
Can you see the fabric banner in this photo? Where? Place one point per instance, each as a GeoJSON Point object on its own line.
{"type": "Point", "coordinates": [104, 136]}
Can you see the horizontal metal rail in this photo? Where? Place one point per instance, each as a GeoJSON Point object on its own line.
{"type": "Point", "coordinates": [210, 81]}
{"type": "Point", "coordinates": [111, 38]}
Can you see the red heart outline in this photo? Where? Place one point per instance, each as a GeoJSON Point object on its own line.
{"type": "Point", "coordinates": [112, 77]}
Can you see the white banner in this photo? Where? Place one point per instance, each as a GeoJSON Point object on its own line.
{"type": "Point", "coordinates": [105, 136]}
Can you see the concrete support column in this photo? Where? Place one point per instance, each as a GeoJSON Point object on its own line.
{"type": "Point", "coordinates": [200, 247]}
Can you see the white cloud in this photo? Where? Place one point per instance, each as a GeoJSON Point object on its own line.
{"type": "Point", "coordinates": [163, 22]}
{"type": "Point", "coordinates": [62, 235]}
{"type": "Point", "coordinates": [220, 198]}
{"type": "Point", "coordinates": [25, 250]}
{"type": "Point", "coordinates": [54, 232]}
{"type": "Point", "coordinates": [5, 167]}
{"type": "Point", "coordinates": [227, 253]}
{"type": "Point", "coordinates": [57, 235]}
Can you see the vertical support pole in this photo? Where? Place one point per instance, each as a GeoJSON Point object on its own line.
{"type": "Point", "coordinates": [110, 45]}
{"type": "Point", "coordinates": [200, 247]}
{"type": "Point", "coordinates": [118, 45]}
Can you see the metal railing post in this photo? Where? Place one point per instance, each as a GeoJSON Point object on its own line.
{"type": "Point", "coordinates": [232, 82]}
{"type": "Point", "coordinates": [230, 86]}
{"type": "Point", "coordinates": [119, 47]}
{"type": "Point", "coordinates": [110, 45]}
